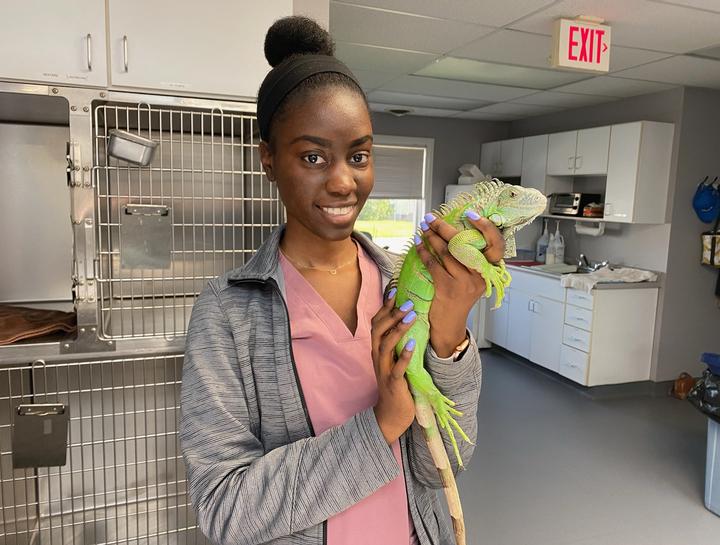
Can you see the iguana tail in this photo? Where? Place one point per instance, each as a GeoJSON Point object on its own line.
{"type": "Point", "coordinates": [426, 418]}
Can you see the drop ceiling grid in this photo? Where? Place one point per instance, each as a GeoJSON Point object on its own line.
{"type": "Point", "coordinates": [388, 41]}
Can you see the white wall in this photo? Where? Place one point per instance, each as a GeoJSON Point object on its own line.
{"type": "Point", "coordinates": [691, 314]}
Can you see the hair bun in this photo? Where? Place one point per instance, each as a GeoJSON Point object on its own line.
{"type": "Point", "coordinates": [296, 35]}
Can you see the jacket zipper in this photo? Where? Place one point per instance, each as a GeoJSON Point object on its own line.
{"type": "Point", "coordinates": [276, 289]}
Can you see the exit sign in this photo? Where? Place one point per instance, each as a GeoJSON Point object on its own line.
{"type": "Point", "coordinates": [582, 45]}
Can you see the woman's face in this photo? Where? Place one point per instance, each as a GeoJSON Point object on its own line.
{"type": "Point", "coordinates": [321, 161]}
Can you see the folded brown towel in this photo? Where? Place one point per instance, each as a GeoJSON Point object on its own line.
{"type": "Point", "coordinates": [18, 323]}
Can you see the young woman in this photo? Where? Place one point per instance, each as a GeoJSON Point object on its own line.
{"type": "Point", "coordinates": [296, 422]}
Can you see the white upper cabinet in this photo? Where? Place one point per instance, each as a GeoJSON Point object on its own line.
{"type": "Point", "coordinates": [591, 155]}
{"type": "Point", "coordinates": [502, 158]}
{"type": "Point", "coordinates": [215, 47]}
{"type": "Point", "coordinates": [577, 153]}
{"type": "Point", "coordinates": [59, 42]}
{"type": "Point", "coordinates": [490, 158]}
{"type": "Point", "coordinates": [561, 153]}
{"type": "Point", "coordinates": [639, 172]}
{"type": "Point", "coordinates": [534, 162]}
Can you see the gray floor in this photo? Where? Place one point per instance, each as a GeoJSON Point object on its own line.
{"type": "Point", "coordinates": [555, 467]}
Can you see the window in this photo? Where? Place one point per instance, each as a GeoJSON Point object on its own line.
{"type": "Point", "coordinates": [403, 172]}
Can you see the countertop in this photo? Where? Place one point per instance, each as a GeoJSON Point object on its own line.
{"type": "Point", "coordinates": [599, 286]}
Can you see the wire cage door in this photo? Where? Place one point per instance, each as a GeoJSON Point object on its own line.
{"type": "Point", "coordinates": [210, 201]}
{"type": "Point", "coordinates": [124, 479]}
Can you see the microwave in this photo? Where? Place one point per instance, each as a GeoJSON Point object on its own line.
{"type": "Point", "coordinates": [572, 204]}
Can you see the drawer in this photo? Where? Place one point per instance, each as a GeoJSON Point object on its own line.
{"type": "Point", "coordinates": [573, 364]}
{"type": "Point", "coordinates": [577, 338]}
{"type": "Point", "coordinates": [579, 298]}
{"type": "Point", "coordinates": [578, 317]}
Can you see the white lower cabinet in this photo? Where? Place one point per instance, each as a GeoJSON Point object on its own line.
{"type": "Point", "coordinates": [546, 331]}
{"type": "Point", "coordinates": [603, 337]}
{"type": "Point", "coordinates": [519, 323]}
{"type": "Point", "coordinates": [496, 320]}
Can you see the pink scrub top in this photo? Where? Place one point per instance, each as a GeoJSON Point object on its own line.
{"type": "Point", "coordinates": [338, 381]}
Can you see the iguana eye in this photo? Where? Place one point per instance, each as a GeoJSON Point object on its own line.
{"type": "Point", "coordinates": [513, 193]}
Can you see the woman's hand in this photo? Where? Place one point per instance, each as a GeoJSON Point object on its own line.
{"type": "Point", "coordinates": [457, 288]}
{"type": "Point", "coordinates": [395, 409]}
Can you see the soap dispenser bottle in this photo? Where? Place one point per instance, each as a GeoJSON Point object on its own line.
{"type": "Point", "coordinates": [550, 253]}
{"type": "Point", "coordinates": [542, 244]}
{"type": "Point", "coordinates": [559, 248]}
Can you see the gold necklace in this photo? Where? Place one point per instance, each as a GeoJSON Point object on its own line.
{"type": "Point", "coordinates": [332, 271]}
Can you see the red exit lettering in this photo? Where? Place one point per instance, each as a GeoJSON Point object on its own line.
{"type": "Point", "coordinates": [591, 44]}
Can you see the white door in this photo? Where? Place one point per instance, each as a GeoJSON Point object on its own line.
{"type": "Point", "coordinates": [622, 171]}
{"type": "Point", "coordinates": [547, 328]}
{"type": "Point", "coordinates": [490, 158]}
{"type": "Point", "coordinates": [592, 151]}
{"type": "Point", "coordinates": [496, 321]}
{"type": "Point", "coordinates": [213, 47]}
{"type": "Point", "coordinates": [511, 154]}
{"type": "Point", "coordinates": [57, 41]}
{"type": "Point", "coordinates": [519, 324]}
{"type": "Point", "coordinates": [561, 153]}
{"type": "Point", "coordinates": [534, 162]}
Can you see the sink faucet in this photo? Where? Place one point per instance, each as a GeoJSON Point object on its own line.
{"type": "Point", "coordinates": [583, 261]}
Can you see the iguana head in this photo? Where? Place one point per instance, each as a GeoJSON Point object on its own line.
{"type": "Point", "coordinates": [514, 206]}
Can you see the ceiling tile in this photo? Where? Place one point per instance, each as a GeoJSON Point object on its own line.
{"type": "Point", "coordinates": [380, 59]}
{"type": "Point", "coordinates": [639, 23]}
{"type": "Point", "coordinates": [510, 47]}
{"type": "Point", "coordinates": [627, 57]}
{"type": "Point", "coordinates": [430, 112]}
{"type": "Point", "coordinates": [497, 74]}
{"type": "Point", "coordinates": [613, 87]}
{"type": "Point", "coordinates": [487, 116]}
{"type": "Point", "coordinates": [455, 89]}
{"type": "Point", "coordinates": [679, 70]}
{"type": "Point", "coordinates": [369, 79]}
{"type": "Point", "coordinates": [387, 29]}
{"type": "Point", "coordinates": [525, 110]}
{"type": "Point", "coordinates": [712, 52]}
{"type": "Point", "coordinates": [709, 5]}
{"type": "Point", "coordinates": [423, 101]}
{"type": "Point", "coordinates": [525, 49]}
{"type": "Point", "coordinates": [488, 13]}
{"type": "Point", "coordinates": [562, 100]}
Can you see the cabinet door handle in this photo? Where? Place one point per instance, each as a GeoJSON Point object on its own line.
{"type": "Point", "coordinates": [125, 52]}
{"type": "Point", "coordinates": [530, 304]}
{"type": "Point", "coordinates": [571, 162]}
{"type": "Point", "coordinates": [578, 161]}
{"type": "Point", "coordinates": [88, 41]}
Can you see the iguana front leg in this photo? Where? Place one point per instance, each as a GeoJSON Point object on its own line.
{"type": "Point", "coordinates": [467, 247]}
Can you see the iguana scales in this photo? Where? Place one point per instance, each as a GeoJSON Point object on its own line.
{"type": "Point", "coordinates": [510, 208]}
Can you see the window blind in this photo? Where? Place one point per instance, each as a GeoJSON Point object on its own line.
{"type": "Point", "coordinates": [399, 172]}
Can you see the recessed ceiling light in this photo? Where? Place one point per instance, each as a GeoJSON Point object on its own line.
{"type": "Point", "coordinates": [399, 112]}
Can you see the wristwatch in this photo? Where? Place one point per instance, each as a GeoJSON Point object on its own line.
{"type": "Point", "coordinates": [460, 349]}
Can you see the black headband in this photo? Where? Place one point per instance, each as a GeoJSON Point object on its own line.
{"type": "Point", "coordinates": [285, 77]}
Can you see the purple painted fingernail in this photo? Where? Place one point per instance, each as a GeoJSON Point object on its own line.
{"type": "Point", "coordinates": [410, 345]}
{"type": "Point", "coordinates": [424, 226]}
{"type": "Point", "coordinates": [417, 240]}
{"type": "Point", "coordinates": [429, 218]}
{"type": "Point", "coordinates": [409, 317]}
{"type": "Point", "coordinates": [392, 293]}
{"type": "Point", "coordinates": [472, 214]}
{"type": "Point", "coordinates": [407, 305]}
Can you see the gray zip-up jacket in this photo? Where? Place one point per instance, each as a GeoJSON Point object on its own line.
{"type": "Point", "coordinates": [257, 473]}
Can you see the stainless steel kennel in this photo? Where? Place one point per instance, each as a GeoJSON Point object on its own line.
{"type": "Point", "coordinates": [145, 241]}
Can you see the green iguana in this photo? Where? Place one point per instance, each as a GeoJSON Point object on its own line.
{"type": "Point", "coordinates": [510, 208]}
